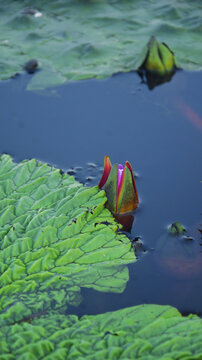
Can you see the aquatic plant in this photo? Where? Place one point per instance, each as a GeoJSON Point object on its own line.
{"type": "Point", "coordinates": [119, 185]}
{"type": "Point", "coordinates": [140, 332]}
{"type": "Point", "coordinates": [56, 236]}
{"type": "Point", "coordinates": [75, 40]}
{"type": "Point", "coordinates": [159, 58]}
{"type": "Point", "coordinates": [176, 228]}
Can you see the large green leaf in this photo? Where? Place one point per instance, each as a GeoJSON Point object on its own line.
{"type": "Point", "coordinates": [76, 39]}
{"type": "Point", "coordinates": [145, 332]}
{"type": "Point", "coordinates": [55, 237]}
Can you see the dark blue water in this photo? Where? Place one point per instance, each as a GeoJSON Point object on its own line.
{"type": "Point", "coordinates": [160, 133]}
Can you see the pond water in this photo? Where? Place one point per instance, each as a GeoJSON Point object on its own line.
{"type": "Point", "coordinates": [160, 132]}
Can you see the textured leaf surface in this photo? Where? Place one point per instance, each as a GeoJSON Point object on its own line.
{"type": "Point", "coordinates": [55, 237]}
{"type": "Point", "coordinates": [145, 332]}
{"type": "Point", "coordinates": [77, 39]}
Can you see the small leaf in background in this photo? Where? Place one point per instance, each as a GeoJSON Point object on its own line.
{"type": "Point", "coordinates": [176, 228]}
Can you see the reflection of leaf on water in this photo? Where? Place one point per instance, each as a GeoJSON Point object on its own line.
{"type": "Point", "coordinates": [54, 240]}
{"type": "Point", "coordinates": [142, 332]}
{"type": "Point", "coordinates": [84, 39]}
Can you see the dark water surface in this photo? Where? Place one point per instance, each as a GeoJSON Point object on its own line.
{"type": "Point", "coordinates": [160, 133]}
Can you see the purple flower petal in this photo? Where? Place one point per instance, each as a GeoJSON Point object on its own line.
{"type": "Point", "coordinates": [119, 177]}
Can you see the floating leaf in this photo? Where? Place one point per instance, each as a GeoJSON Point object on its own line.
{"type": "Point", "coordinates": [145, 332]}
{"type": "Point", "coordinates": [54, 240]}
{"type": "Point", "coordinates": [74, 40]}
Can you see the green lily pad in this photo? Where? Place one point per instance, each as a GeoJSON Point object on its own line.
{"type": "Point", "coordinates": [145, 332]}
{"type": "Point", "coordinates": [76, 39]}
{"type": "Point", "coordinates": [55, 237]}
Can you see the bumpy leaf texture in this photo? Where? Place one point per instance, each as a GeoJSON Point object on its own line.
{"type": "Point", "coordinates": [145, 332]}
{"type": "Point", "coordinates": [55, 237]}
{"type": "Point", "coordinates": [83, 39]}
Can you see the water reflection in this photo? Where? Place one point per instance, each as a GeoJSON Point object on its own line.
{"type": "Point", "coordinates": [126, 220]}
{"type": "Point", "coordinates": [153, 80]}
{"type": "Point", "coordinates": [180, 256]}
